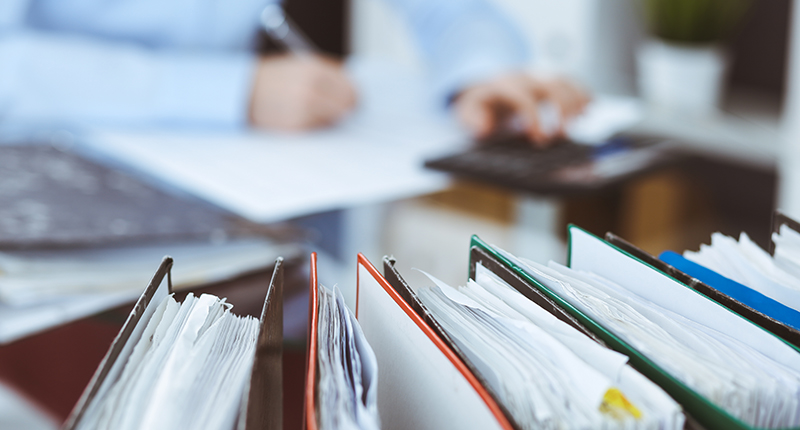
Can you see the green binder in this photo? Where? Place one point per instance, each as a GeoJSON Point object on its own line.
{"type": "Point", "coordinates": [704, 411]}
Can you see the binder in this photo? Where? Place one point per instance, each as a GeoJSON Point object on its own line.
{"type": "Point", "coordinates": [702, 410]}
{"type": "Point", "coordinates": [262, 401]}
{"type": "Point", "coordinates": [422, 383]}
{"type": "Point", "coordinates": [729, 298]}
{"type": "Point", "coordinates": [479, 254]}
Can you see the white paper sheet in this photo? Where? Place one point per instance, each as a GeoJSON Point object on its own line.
{"type": "Point", "coordinates": [375, 155]}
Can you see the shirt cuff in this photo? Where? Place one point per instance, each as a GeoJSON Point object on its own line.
{"type": "Point", "coordinates": [206, 88]}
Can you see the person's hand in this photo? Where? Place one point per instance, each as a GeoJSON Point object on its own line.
{"type": "Point", "coordinates": [516, 98]}
{"type": "Point", "coordinates": [292, 92]}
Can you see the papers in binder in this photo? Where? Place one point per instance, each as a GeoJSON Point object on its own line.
{"type": "Point", "coordinates": [189, 365]}
{"type": "Point", "coordinates": [188, 370]}
{"type": "Point", "coordinates": [744, 262]}
{"type": "Point", "coordinates": [547, 374]}
{"type": "Point", "coordinates": [737, 366]}
{"type": "Point", "coordinates": [348, 371]}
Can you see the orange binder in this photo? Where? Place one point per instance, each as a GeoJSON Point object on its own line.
{"type": "Point", "coordinates": [421, 382]}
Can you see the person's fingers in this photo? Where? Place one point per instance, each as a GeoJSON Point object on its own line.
{"type": "Point", "coordinates": [338, 83]}
{"type": "Point", "coordinates": [526, 110]}
{"type": "Point", "coordinates": [474, 110]}
{"type": "Point", "coordinates": [300, 92]}
{"type": "Point", "coordinates": [484, 109]}
{"type": "Point", "coordinates": [570, 98]}
{"type": "Point", "coordinates": [335, 88]}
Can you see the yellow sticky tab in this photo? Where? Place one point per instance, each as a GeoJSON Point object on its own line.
{"type": "Point", "coordinates": [616, 405]}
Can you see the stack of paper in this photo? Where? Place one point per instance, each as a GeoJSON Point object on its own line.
{"type": "Point", "coordinates": [42, 289]}
{"type": "Point", "coordinates": [547, 374]}
{"type": "Point", "coordinates": [734, 364]}
{"type": "Point", "coordinates": [746, 263]}
{"type": "Point", "coordinates": [188, 370]}
{"type": "Point", "coordinates": [347, 395]}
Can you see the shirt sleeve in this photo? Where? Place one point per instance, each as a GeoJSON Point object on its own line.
{"type": "Point", "coordinates": [60, 77]}
{"type": "Point", "coordinates": [463, 41]}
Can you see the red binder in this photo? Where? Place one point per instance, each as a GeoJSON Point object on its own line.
{"type": "Point", "coordinates": [421, 382]}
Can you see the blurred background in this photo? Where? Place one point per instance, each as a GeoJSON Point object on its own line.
{"type": "Point", "coordinates": [718, 81]}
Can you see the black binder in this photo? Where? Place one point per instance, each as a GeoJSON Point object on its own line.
{"type": "Point", "coordinates": [262, 399]}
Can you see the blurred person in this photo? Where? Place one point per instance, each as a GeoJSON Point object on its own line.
{"type": "Point", "coordinates": [193, 62]}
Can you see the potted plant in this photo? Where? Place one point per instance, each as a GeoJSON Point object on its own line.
{"type": "Point", "coordinates": [683, 65]}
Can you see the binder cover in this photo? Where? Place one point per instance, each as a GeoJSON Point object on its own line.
{"type": "Point", "coordinates": [729, 297]}
{"type": "Point", "coordinates": [262, 407]}
{"type": "Point", "coordinates": [110, 368]}
{"type": "Point", "coordinates": [701, 409]}
{"type": "Point", "coordinates": [309, 413]}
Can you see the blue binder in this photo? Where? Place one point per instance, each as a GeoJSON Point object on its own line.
{"type": "Point", "coordinates": [741, 293]}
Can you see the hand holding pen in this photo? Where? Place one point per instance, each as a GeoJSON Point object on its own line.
{"type": "Point", "coordinates": [301, 89]}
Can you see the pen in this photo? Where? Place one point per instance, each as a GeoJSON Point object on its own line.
{"type": "Point", "coordinates": [281, 29]}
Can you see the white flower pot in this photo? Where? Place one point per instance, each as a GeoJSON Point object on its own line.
{"type": "Point", "coordinates": [683, 78]}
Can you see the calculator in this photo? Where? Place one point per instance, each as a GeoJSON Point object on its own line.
{"type": "Point", "coordinates": [564, 167]}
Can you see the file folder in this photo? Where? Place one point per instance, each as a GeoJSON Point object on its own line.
{"type": "Point", "coordinates": [422, 384]}
{"type": "Point", "coordinates": [734, 297]}
{"type": "Point", "coordinates": [262, 405]}
{"type": "Point", "coordinates": [702, 410]}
